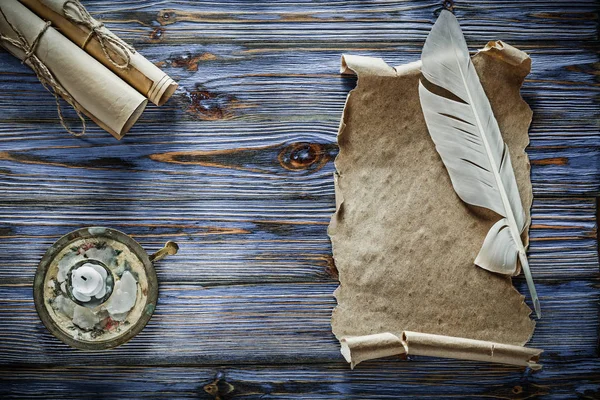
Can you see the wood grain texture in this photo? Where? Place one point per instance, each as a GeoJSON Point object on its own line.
{"type": "Point", "coordinates": [254, 324]}
{"type": "Point", "coordinates": [281, 93]}
{"type": "Point", "coordinates": [383, 379]}
{"type": "Point", "coordinates": [237, 168]}
{"type": "Point", "coordinates": [237, 241]}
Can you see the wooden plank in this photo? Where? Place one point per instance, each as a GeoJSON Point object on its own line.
{"type": "Point", "coordinates": [237, 96]}
{"type": "Point", "coordinates": [386, 379]}
{"type": "Point", "coordinates": [237, 168]}
{"type": "Point", "coordinates": [254, 324]}
{"type": "Point", "coordinates": [293, 21]}
{"type": "Point", "coordinates": [224, 164]}
{"type": "Point", "coordinates": [226, 242]}
{"type": "Point", "coordinates": [236, 85]}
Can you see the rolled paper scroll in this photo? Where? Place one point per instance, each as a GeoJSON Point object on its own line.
{"type": "Point", "coordinates": [90, 87]}
{"type": "Point", "coordinates": [73, 20]}
{"type": "Point", "coordinates": [357, 349]}
{"type": "Point", "coordinates": [361, 348]}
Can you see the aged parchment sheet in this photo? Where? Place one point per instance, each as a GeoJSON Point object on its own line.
{"type": "Point", "coordinates": [403, 241]}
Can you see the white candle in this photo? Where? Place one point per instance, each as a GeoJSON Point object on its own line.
{"type": "Point", "coordinates": [88, 281]}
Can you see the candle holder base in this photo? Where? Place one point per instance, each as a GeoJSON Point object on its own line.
{"type": "Point", "coordinates": [125, 302]}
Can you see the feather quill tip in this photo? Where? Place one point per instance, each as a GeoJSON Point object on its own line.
{"type": "Point", "coordinates": [536, 306]}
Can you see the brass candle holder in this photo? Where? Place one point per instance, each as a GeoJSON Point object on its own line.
{"type": "Point", "coordinates": [96, 288]}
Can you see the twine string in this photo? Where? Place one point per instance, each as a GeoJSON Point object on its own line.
{"type": "Point", "coordinates": [45, 76]}
{"type": "Point", "coordinates": [110, 44]}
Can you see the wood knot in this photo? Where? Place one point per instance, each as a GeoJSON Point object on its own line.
{"type": "Point", "coordinates": [157, 34]}
{"type": "Point", "coordinates": [188, 61]}
{"type": "Point", "coordinates": [212, 388]}
{"type": "Point", "coordinates": [517, 390]}
{"type": "Point", "coordinates": [209, 106]}
{"type": "Point", "coordinates": [166, 17]}
{"type": "Point", "coordinates": [304, 156]}
{"type": "Point", "coordinates": [448, 5]}
{"type": "Point", "coordinates": [219, 388]}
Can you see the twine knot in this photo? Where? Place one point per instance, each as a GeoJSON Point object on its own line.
{"type": "Point", "coordinates": [35, 42]}
{"type": "Point", "coordinates": [45, 76]}
{"type": "Point", "coordinates": [115, 50]}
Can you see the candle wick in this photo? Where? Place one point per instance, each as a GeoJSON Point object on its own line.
{"type": "Point", "coordinates": [84, 278]}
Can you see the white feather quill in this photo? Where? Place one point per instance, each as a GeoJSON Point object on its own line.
{"type": "Point", "coordinates": [468, 139]}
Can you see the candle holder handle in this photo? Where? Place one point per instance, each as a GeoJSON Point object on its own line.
{"type": "Point", "coordinates": [169, 249]}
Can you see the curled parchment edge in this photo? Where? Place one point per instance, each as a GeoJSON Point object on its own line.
{"type": "Point", "coordinates": [509, 54]}
{"type": "Point", "coordinates": [357, 349]}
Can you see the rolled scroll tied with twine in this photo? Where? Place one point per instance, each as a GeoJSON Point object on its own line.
{"type": "Point", "coordinates": [110, 44]}
{"type": "Point", "coordinates": [73, 21]}
{"type": "Point", "coordinates": [83, 82]}
{"type": "Point", "coordinates": [42, 72]}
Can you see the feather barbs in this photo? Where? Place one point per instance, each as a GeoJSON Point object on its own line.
{"type": "Point", "coordinates": [468, 139]}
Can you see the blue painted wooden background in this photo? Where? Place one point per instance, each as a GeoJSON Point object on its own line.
{"type": "Point", "coordinates": [237, 168]}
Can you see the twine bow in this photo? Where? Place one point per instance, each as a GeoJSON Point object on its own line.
{"type": "Point", "coordinates": [106, 40]}
{"type": "Point", "coordinates": [43, 73]}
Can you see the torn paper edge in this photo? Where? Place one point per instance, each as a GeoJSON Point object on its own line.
{"type": "Point", "coordinates": [357, 349]}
